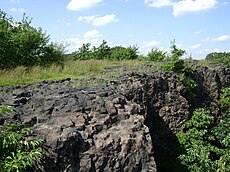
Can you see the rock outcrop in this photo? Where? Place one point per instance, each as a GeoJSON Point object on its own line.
{"type": "Point", "coordinates": [127, 126]}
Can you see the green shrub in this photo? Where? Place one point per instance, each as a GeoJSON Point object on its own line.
{"type": "Point", "coordinates": [122, 53]}
{"type": "Point", "coordinates": [190, 85]}
{"type": "Point", "coordinates": [174, 61]}
{"type": "Point", "coordinates": [157, 55]}
{"type": "Point", "coordinates": [176, 52]}
{"type": "Point", "coordinates": [206, 142]}
{"type": "Point", "coordinates": [224, 101]}
{"type": "Point", "coordinates": [101, 52]}
{"type": "Point", "coordinates": [18, 149]}
{"type": "Point", "coordinates": [83, 53]}
{"type": "Point", "coordinates": [174, 65]}
{"type": "Point", "coordinates": [221, 57]}
{"type": "Point", "coordinates": [104, 52]}
{"type": "Point", "coordinates": [200, 154]}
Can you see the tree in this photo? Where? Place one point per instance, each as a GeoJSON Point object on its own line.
{"type": "Point", "coordinates": [157, 55]}
{"type": "Point", "coordinates": [23, 45]}
{"type": "Point", "coordinates": [175, 63]}
{"type": "Point", "coordinates": [122, 53]}
{"type": "Point", "coordinates": [101, 52]}
{"type": "Point", "coordinates": [221, 57]}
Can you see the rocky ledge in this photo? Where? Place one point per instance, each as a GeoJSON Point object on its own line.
{"type": "Point", "coordinates": [127, 126]}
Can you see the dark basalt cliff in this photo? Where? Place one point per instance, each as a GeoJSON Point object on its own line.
{"type": "Point", "coordinates": [127, 126]}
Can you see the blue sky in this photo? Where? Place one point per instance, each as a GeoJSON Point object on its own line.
{"type": "Point", "coordinates": [198, 26]}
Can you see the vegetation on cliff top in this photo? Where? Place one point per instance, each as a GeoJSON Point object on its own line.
{"type": "Point", "coordinates": [28, 56]}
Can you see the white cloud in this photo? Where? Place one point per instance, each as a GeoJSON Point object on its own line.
{"type": "Point", "coordinates": [221, 38]}
{"type": "Point", "coordinates": [184, 7]}
{"type": "Point", "coordinates": [77, 5]}
{"type": "Point", "coordinates": [97, 20]}
{"type": "Point", "coordinates": [190, 6]}
{"type": "Point", "coordinates": [87, 19]}
{"type": "Point", "coordinates": [19, 10]}
{"type": "Point", "coordinates": [195, 46]}
{"type": "Point", "coordinates": [158, 3]}
{"type": "Point", "coordinates": [198, 32]}
{"type": "Point", "coordinates": [150, 44]}
{"type": "Point", "coordinates": [93, 34]}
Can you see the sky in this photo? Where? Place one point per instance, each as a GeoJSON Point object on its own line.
{"type": "Point", "coordinates": [198, 26]}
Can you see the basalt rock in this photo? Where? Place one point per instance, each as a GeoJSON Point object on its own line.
{"type": "Point", "coordinates": [129, 125]}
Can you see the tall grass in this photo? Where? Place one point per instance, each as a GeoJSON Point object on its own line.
{"type": "Point", "coordinates": [23, 75]}
{"type": "Point", "coordinates": [73, 69]}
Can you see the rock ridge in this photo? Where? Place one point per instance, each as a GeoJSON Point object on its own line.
{"type": "Point", "coordinates": [129, 125]}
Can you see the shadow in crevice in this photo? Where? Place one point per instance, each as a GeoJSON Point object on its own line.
{"type": "Point", "coordinates": [165, 144]}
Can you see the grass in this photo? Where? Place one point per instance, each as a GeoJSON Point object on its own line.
{"type": "Point", "coordinates": [71, 69]}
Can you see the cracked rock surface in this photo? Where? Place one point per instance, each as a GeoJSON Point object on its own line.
{"type": "Point", "coordinates": [127, 126]}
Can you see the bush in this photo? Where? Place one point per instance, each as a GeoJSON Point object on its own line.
{"type": "Point", "coordinates": [190, 85]}
{"type": "Point", "coordinates": [83, 53]}
{"type": "Point", "coordinates": [23, 45]}
{"type": "Point", "coordinates": [174, 62]}
{"type": "Point", "coordinates": [200, 154]}
{"type": "Point", "coordinates": [221, 57]}
{"type": "Point", "coordinates": [18, 150]}
{"type": "Point", "coordinates": [206, 142]}
{"type": "Point", "coordinates": [157, 55]}
{"type": "Point", "coordinates": [122, 53]}
{"type": "Point", "coordinates": [104, 52]}
{"type": "Point", "coordinates": [224, 101]}
{"type": "Point", "coordinates": [101, 52]}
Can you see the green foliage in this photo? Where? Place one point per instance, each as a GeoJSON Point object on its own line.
{"type": "Point", "coordinates": [23, 45]}
{"type": "Point", "coordinates": [221, 57]}
{"type": "Point", "coordinates": [5, 109]}
{"type": "Point", "coordinates": [175, 51]}
{"type": "Point", "coordinates": [190, 85]}
{"type": "Point", "coordinates": [18, 150]}
{"type": "Point", "coordinates": [122, 53]}
{"type": "Point", "coordinates": [83, 53]}
{"type": "Point", "coordinates": [104, 52]}
{"type": "Point", "coordinates": [200, 154]}
{"type": "Point", "coordinates": [174, 63]}
{"type": "Point", "coordinates": [222, 130]}
{"type": "Point", "coordinates": [222, 133]}
{"type": "Point", "coordinates": [157, 55]}
{"type": "Point", "coordinates": [224, 101]}
{"type": "Point", "coordinates": [206, 142]}
{"type": "Point", "coordinates": [101, 52]}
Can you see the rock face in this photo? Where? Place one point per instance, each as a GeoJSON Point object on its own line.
{"type": "Point", "coordinates": [91, 129]}
{"type": "Point", "coordinates": [127, 126]}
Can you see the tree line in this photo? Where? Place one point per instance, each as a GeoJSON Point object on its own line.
{"type": "Point", "coordinates": [24, 45]}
